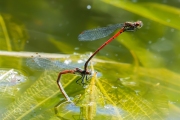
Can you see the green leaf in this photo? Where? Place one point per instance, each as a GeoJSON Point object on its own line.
{"type": "Point", "coordinates": [106, 99]}
{"type": "Point", "coordinates": [136, 94]}
{"type": "Point", "coordinates": [36, 98]}
{"type": "Point", "coordinates": [87, 106]}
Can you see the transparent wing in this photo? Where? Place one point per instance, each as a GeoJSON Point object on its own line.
{"type": "Point", "coordinates": [47, 64]}
{"type": "Point", "coordinates": [97, 33]}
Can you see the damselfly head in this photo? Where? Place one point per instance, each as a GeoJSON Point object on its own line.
{"type": "Point", "coordinates": [138, 24]}
{"type": "Point", "coordinates": [78, 70]}
{"type": "Point", "coordinates": [132, 26]}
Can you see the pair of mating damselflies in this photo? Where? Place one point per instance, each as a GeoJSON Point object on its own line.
{"type": "Point", "coordinates": [87, 35]}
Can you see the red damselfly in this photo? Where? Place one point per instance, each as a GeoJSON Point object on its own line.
{"type": "Point", "coordinates": [97, 33]}
{"type": "Point", "coordinates": [39, 63]}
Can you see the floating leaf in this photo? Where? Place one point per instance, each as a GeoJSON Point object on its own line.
{"type": "Point", "coordinates": [102, 101]}
{"type": "Point", "coordinates": [89, 106]}
{"type": "Point", "coordinates": [34, 98]}
{"type": "Point", "coordinates": [129, 97]}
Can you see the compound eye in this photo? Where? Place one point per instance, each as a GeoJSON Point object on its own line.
{"type": "Point", "coordinates": [139, 24]}
{"type": "Point", "coordinates": [78, 70]}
